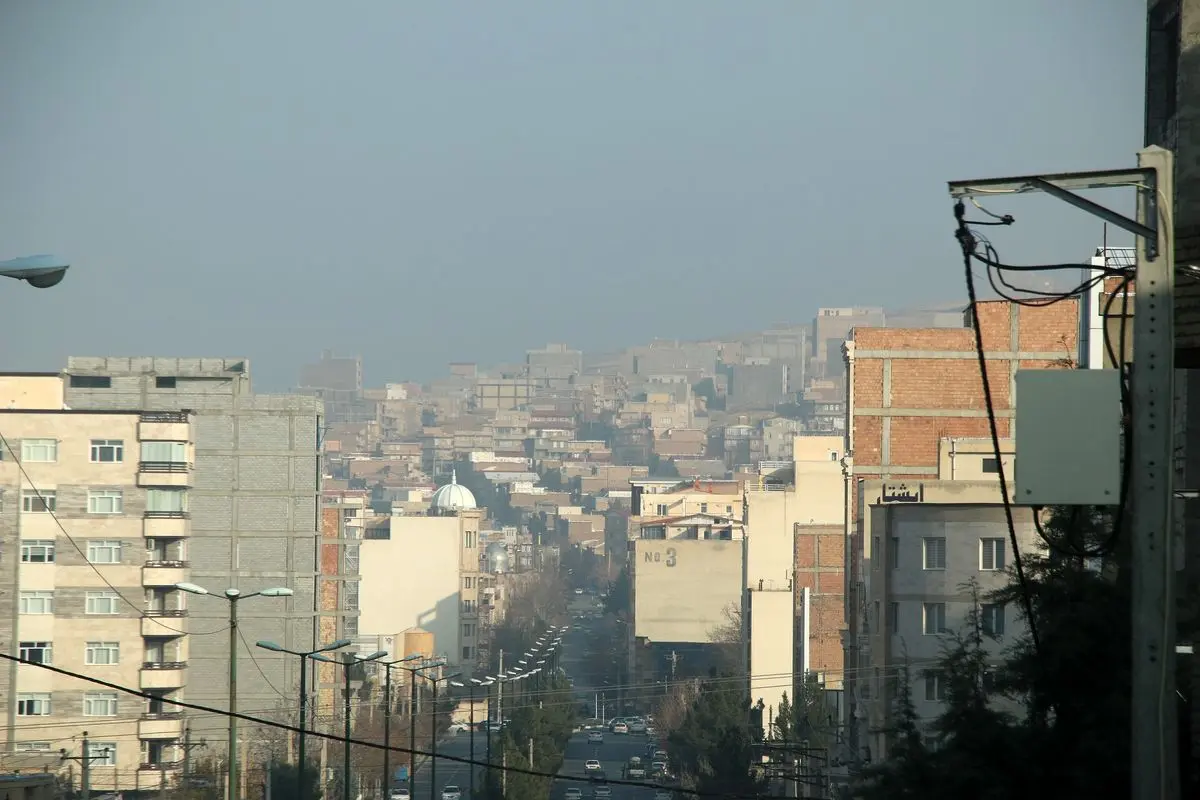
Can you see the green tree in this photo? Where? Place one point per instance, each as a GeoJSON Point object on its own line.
{"type": "Point", "coordinates": [909, 771]}
{"type": "Point", "coordinates": [620, 594]}
{"type": "Point", "coordinates": [713, 748]}
{"type": "Point", "coordinates": [285, 781]}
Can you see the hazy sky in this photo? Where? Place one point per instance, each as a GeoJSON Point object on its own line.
{"type": "Point", "coordinates": [426, 182]}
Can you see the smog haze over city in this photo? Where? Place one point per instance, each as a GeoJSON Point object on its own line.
{"type": "Point", "coordinates": [423, 182]}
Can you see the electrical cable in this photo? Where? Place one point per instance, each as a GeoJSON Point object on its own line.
{"type": "Point", "coordinates": [371, 745]}
{"type": "Point", "coordinates": [262, 673]}
{"type": "Point", "coordinates": [966, 241]}
{"type": "Point", "coordinates": [7, 447]}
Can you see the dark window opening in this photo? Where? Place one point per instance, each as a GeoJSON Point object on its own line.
{"type": "Point", "coordinates": [164, 382]}
{"type": "Point", "coordinates": [991, 466]}
{"type": "Point", "coordinates": [90, 382]}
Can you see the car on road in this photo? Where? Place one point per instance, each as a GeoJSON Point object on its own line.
{"type": "Point", "coordinates": [601, 793]}
{"type": "Point", "coordinates": [399, 793]}
{"type": "Point", "coordinates": [573, 793]}
{"type": "Point", "coordinates": [579, 591]}
{"type": "Point", "coordinates": [660, 755]}
{"type": "Point", "coordinates": [595, 737]}
{"type": "Point", "coordinates": [658, 767]}
{"type": "Point", "coordinates": [451, 792]}
{"type": "Point", "coordinates": [591, 765]}
{"type": "Point", "coordinates": [662, 794]}
{"type": "Point", "coordinates": [620, 728]}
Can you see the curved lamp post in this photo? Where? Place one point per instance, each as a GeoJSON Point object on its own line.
{"type": "Point", "coordinates": [40, 272]}
{"type": "Point", "coordinates": [387, 719]}
{"type": "Point", "coordinates": [471, 695]}
{"type": "Point", "coordinates": [232, 596]}
{"type": "Point", "coordinates": [347, 661]}
{"type": "Point", "coordinates": [433, 711]}
{"type": "Point", "coordinates": [304, 655]}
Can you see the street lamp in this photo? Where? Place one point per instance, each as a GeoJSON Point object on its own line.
{"type": "Point", "coordinates": [412, 716]}
{"type": "Point", "coordinates": [387, 719]}
{"type": "Point", "coordinates": [40, 272]}
{"type": "Point", "coordinates": [232, 596]}
{"type": "Point", "coordinates": [471, 696]}
{"type": "Point", "coordinates": [346, 662]}
{"type": "Point", "coordinates": [303, 735]}
{"type": "Point", "coordinates": [433, 734]}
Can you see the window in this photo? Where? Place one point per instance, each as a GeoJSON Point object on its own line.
{"type": "Point", "coordinates": [44, 451]}
{"type": "Point", "coordinates": [165, 452]}
{"type": "Point", "coordinates": [661, 510]}
{"type": "Point", "coordinates": [102, 653]}
{"type": "Point", "coordinates": [469, 540]}
{"type": "Point", "coordinates": [990, 466]}
{"type": "Point", "coordinates": [104, 551]}
{"type": "Point", "coordinates": [934, 618]}
{"type": "Point", "coordinates": [468, 630]}
{"type": "Point", "coordinates": [33, 704]}
{"type": "Point", "coordinates": [90, 382]}
{"type": "Point", "coordinates": [166, 500]}
{"type": "Point", "coordinates": [34, 501]}
{"type": "Point", "coordinates": [466, 653]}
{"type": "Point", "coordinates": [935, 552]}
{"type": "Point", "coordinates": [991, 554]}
{"type": "Point", "coordinates": [893, 620]}
{"type": "Point", "coordinates": [894, 553]}
{"type": "Point", "coordinates": [935, 690]}
{"type": "Point", "coordinates": [991, 618]}
{"type": "Point", "coordinates": [108, 451]}
{"type": "Point", "coordinates": [876, 551]}
{"type": "Point", "coordinates": [106, 501]}
{"type": "Point", "coordinates": [100, 704]}
{"type": "Point", "coordinates": [37, 551]}
{"type": "Point", "coordinates": [704, 508]}
{"type": "Point", "coordinates": [351, 558]}
{"type": "Point", "coordinates": [468, 582]}
{"type": "Point", "coordinates": [164, 382]}
{"type": "Point", "coordinates": [36, 603]}
{"type": "Point", "coordinates": [101, 603]}
{"type": "Point", "coordinates": [37, 652]}
{"type": "Point", "coordinates": [103, 754]}
{"type": "Point", "coordinates": [33, 747]}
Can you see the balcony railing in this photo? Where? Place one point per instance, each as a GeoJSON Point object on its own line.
{"type": "Point", "coordinates": [164, 416]}
{"type": "Point", "coordinates": [166, 612]}
{"type": "Point", "coordinates": [167, 515]}
{"type": "Point", "coordinates": [160, 766]}
{"type": "Point", "coordinates": [164, 466]}
{"type": "Point", "coordinates": [167, 564]}
{"type": "Point", "coordinates": [164, 665]}
{"type": "Point", "coordinates": [163, 715]}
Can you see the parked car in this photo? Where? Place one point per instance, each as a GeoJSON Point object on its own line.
{"type": "Point", "coordinates": [451, 792]}
{"type": "Point", "coordinates": [620, 728]}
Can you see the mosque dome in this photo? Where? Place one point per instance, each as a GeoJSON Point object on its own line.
{"type": "Point", "coordinates": [452, 497]}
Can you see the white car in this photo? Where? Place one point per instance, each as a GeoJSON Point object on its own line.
{"type": "Point", "coordinates": [595, 737]}
{"type": "Point", "coordinates": [399, 793]}
{"type": "Point", "coordinates": [573, 793]}
{"type": "Point", "coordinates": [591, 765]}
{"type": "Point", "coordinates": [451, 792]}
{"type": "Point", "coordinates": [620, 727]}
{"type": "Point", "coordinates": [602, 792]}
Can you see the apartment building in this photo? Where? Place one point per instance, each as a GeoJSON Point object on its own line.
{"type": "Point", "coordinates": [95, 534]}
{"type": "Point", "coordinates": [254, 509]}
{"type": "Point", "coordinates": [916, 413]}
{"type": "Point", "coordinates": [436, 560]}
{"type": "Point", "coordinates": [925, 543]}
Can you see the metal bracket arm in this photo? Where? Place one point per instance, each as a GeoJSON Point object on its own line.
{"type": "Point", "coordinates": [1063, 186]}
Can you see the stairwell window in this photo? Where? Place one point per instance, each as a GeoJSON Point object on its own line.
{"type": "Point", "coordinates": [39, 451]}
{"type": "Point", "coordinates": [935, 552]}
{"type": "Point", "coordinates": [935, 688]}
{"type": "Point", "coordinates": [991, 619]}
{"type": "Point", "coordinates": [893, 618]}
{"type": "Point", "coordinates": [106, 501]}
{"type": "Point", "coordinates": [991, 555]}
{"type": "Point", "coordinates": [102, 654]}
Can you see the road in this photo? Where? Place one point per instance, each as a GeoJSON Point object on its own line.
{"type": "Point", "coordinates": [452, 772]}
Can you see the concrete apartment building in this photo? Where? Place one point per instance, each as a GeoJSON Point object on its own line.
{"type": "Point", "coordinates": [553, 366]}
{"type": "Point", "coordinates": [253, 505]}
{"type": "Point", "coordinates": [94, 528]}
{"type": "Point", "coordinates": [338, 382]}
{"type": "Point", "coordinates": [916, 413]}
{"type": "Point", "coordinates": [830, 329]}
{"type": "Point", "coordinates": [923, 541]}
{"type": "Point", "coordinates": [435, 560]}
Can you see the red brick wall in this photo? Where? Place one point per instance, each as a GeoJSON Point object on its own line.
{"type": "Point", "coordinates": [820, 567]}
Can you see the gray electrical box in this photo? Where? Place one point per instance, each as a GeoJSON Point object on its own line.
{"type": "Point", "coordinates": [1068, 437]}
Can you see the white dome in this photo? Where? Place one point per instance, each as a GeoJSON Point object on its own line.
{"type": "Point", "coordinates": [452, 496]}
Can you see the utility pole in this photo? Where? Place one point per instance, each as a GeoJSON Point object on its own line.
{"type": "Point", "coordinates": [1155, 756]}
{"type": "Point", "coordinates": [85, 762]}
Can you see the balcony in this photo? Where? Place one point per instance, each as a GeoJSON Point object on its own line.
{"type": "Point", "coordinates": [164, 725]}
{"type": "Point", "coordinates": [156, 776]}
{"type": "Point", "coordinates": [164, 623]}
{"type": "Point", "coordinates": [164, 573]}
{"type": "Point", "coordinates": [165, 426]}
{"type": "Point", "coordinates": [163, 675]}
{"type": "Point", "coordinates": [165, 525]}
{"type": "Point", "coordinates": [164, 473]}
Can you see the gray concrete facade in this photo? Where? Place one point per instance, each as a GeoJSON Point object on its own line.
{"type": "Point", "coordinates": [254, 515]}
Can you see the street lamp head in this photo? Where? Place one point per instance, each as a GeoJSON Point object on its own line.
{"type": "Point", "coordinates": [326, 659]}
{"type": "Point", "coordinates": [270, 646]}
{"type": "Point", "coordinates": [338, 645]}
{"type": "Point", "coordinates": [457, 683]}
{"type": "Point", "coordinates": [40, 272]}
{"type": "Point", "coordinates": [413, 657]}
{"type": "Point", "coordinates": [191, 588]}
{"type": "Point", "coordinates": [373, 656]}
{"type": "Point", "coordinates": [279, 591]}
